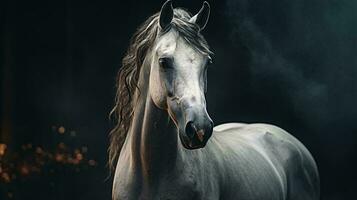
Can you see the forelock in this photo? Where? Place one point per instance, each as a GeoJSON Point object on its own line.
{"type": "Point", "coordinates": [190, 32]}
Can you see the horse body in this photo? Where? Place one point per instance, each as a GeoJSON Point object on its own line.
{"type": "Point", "coordinates": [171, 150]}
{"type": "Point", "coordinates": [240, 161]}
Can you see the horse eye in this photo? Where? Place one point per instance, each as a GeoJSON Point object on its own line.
{"type": "Point", "coordinates": [165, 62]}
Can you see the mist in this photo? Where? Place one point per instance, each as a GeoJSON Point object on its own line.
{"type": "Point", "coordinates": [301, 59]}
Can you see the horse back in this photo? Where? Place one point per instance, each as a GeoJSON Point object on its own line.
{"type": "Point", "coordinates": [265, 159]}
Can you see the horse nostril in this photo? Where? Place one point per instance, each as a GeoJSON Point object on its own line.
{"type": "Point", "coordinates": [190, 129]}
{"type": "Point", "coordinates": [200, 135]}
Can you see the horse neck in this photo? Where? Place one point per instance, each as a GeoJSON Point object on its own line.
{"type": "Point", "coordinates": [152, 138]}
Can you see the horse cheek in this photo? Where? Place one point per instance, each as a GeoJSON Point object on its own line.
{"type": "Point", "coordinates": [157, 91]}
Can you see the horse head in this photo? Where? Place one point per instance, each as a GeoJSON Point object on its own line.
{"type": "Point", "coordinates": [178, 76]}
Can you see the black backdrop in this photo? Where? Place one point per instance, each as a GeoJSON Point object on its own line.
{"type": "Point", "coordinates": [289, 63]}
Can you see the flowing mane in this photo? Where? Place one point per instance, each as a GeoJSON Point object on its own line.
{"type": "Point", "coordinates": [127, 78]}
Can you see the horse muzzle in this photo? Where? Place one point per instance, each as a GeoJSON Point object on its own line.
{"type": "Point", "coordinates": [198, 129]}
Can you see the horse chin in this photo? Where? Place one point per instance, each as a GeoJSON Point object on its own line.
{"type": "Point", "coordinates": [185, 141]}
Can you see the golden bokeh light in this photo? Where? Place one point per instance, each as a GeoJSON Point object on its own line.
{"type": "Point", "coordinates": [61, 130]}
{"type": "Point", "coordinates": [2, 149]}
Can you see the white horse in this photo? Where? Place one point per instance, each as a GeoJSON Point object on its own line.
{"type": "Point", "coordinates": [165, 142]}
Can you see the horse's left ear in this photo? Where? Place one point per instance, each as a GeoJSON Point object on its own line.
{"type": "Point", "coordinates": [201, 18]}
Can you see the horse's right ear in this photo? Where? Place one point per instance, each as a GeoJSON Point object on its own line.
{"type": "Point", "coordinates": [166, 15]}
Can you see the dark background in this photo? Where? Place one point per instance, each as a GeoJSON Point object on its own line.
{"type": "Point", "coordinates": [291, 63]}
